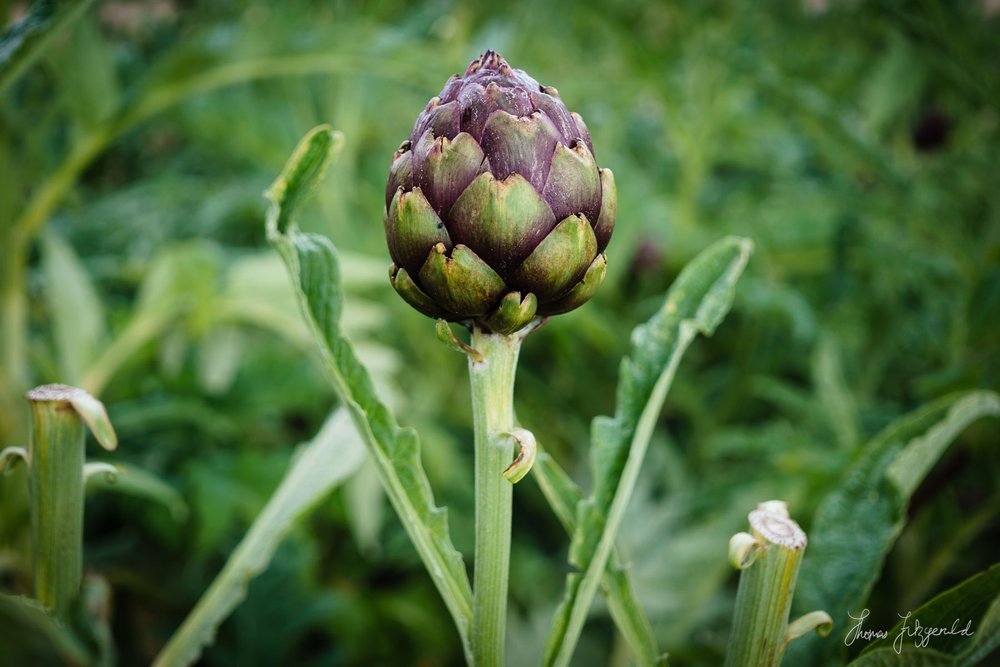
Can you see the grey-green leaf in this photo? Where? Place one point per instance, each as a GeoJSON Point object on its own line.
{"type": "Point", "coordinates": [971, 609]}
{"type": "Point", "coordinates": [563, 494]}
{"type": "Point", "coordinates": [312, 263]}
{"type": "Point", "coordinates": [317, 467]}
{"type": "Point", "coordinates": [697, 302]}
{"type": "Point", "coordinates": [858, 522]}
{"type": "Point", "coordinates": [303, 171]}
{"type": "Point", "coordinates": [913, 463]}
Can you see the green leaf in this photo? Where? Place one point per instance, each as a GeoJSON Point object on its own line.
{"type": "Point", "coordinates": [857, 523]}
{"type": "Point", "coordinates": [364, 501]}
{"type": "Point", "coordinates": [185, 275]}
{"type": "Point", "coordinates": [180, 285]}
{"type": "Point", "coordinates": [256, 292]}
{"type": "Point", "coordinates": [312, 262]}
{"type": "Point", "coordinates": [563, 495]}
{"type": "Point", "coordinates": [559, 490]}
{"type": "Point", "coordinates": [88, 74]}
{"type": "Point", "coordinates": [913, 463]}
{"type": "Point", "coordinates": [219, 358]}
{"type": "Point", "coordinates": [696, 303]}
{"type": "Point", "coordinates": [23, 41]}
{"type": "Point", "coordinates": [76, 311]}
{"type": "Point", "coordinates": [978, 597]}
{"type": "Point", "coordinates": [31, 636]}
{"type": "Point", "coordinates": [95, 417]}
{"type": "Point", "coordinates": [303, 171]}
{"type": "Point", "coordinates": [132, 481]}
{"type": "Point", "coordinates": [833, 394]}
{"type": "Point", "coordinates": [317, 467]}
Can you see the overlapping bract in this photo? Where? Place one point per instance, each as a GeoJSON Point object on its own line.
{"type": "Point", "coordinates": [496, 212]}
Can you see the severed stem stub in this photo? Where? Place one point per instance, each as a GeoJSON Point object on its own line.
{"type": "Point", "coordinates": [56, 480]}
{"type": "Point", "coordinates": [770, 525]}
{"type": "Point", "coordinates": [768, 558]}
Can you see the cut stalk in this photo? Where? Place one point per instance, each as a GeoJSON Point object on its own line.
{"type": "Point", "coordinates": [769, 559]}
{"type": "Point", "coordinates": [60, 417]}
{"type": "Point", "coordinates": [55, 488]}
{"type": "Point", "coordinates": [492, 382]}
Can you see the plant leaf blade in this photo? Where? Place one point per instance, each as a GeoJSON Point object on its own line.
{"type": "Point", "coordinates": [696, 303]}
{"type": "Point", "coordinates": [858, 522]}
{"type": "Point", "coordinates": [563, 494]}
{"type": "Point", "coordinates": [312, 263]}
{"type": "Point", "coordinates": [318, 466]}
{"type": "Point", "coordinates": [960, 645]}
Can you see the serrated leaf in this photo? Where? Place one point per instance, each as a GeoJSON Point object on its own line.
{"type": "Point", "coordinates": [317, 467]}
{"type": "Point", "coordinates": [312, 263]}
{"type": "Point", "coordinates": [696, 303]}
{"type": "Point", "coordinates": [955, 610]}
{"type": "Point", "coordinates": [858, 522]}
{"type": "Point", "coordinates": [303, 171]}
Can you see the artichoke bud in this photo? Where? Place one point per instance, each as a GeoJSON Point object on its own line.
{"type": "Point", "coordinates": [496, 211]}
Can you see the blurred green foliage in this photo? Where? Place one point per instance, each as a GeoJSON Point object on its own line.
{"type": "Point", "coordinates": [854, 142]}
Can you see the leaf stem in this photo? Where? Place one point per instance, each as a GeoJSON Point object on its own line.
{"type": "Point", "coordinates": [492, 383]}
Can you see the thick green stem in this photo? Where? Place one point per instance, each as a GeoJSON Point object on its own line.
{"type": "Point", "coordinates": [492, 382]}
{"type": "Point", "coordinates": [769, 559]}
{"type": "Point", "coordinates": [55, 487]}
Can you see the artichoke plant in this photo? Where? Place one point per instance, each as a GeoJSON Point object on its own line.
{"type": "Point", "coordinates": [496, 211]}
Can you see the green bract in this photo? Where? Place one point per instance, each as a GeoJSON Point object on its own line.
{"type": "Point", "coordinates": [496, 212]}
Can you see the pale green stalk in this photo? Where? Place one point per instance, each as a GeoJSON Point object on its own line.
{"type": "Point", "coordinates": [55, 487]}
{"type": "Point", "coordinates": [769, 561]}
{"type": "Point", "coordinates": [492, 382]}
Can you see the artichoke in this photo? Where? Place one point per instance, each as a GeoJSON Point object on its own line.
{"type": "Point", "coordinates": [496, 212]}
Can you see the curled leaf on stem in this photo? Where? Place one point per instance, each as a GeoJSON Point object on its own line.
{"type": "Point", "coordinates": [90, 409]}
{"type": "Point", "coordinates": [743, 550]}
{"type": "Point", "coordinates": [819, 621]}
{"type": "Point", "coordinates": [448, 337]}
{"type": "Point", "coordinates": [10, 458]}
{"type": "Point", "coordinates": [109, 470]}
{"type": "Point", "coordinates": [533, 326]}
{"type": "Point", "coordinates": [527, 452]}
